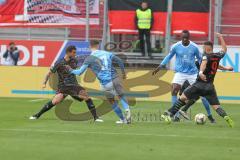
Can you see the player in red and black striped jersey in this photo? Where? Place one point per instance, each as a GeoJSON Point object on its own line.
{"type": "Point", "coordinates": [211, 61]}
{"type": "Point", "coordinates": [185, 85]}
{"type": "Point", "coordinates": [67, 85]}
{"type": "Point", "coordinates": [204, 85]}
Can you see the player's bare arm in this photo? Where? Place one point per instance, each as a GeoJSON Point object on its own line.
{"type": "Point", "coordinates": [46, 79]}
{"type": "Point", "coordinates": [156, 71]}
{"type": "Point", "coordinates": [222, 42]}
{"type": "Point", "coordinates": [202, 69]}
{"type": "Point", "coordinates": [227, 68]}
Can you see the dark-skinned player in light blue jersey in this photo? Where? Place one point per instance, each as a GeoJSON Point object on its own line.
{"type": "Point", "coordinates": [204, 85]}
{"type": "Point", "coordinates": [186, 52]}
{"type": "Point", "coordinates": [101, 63]}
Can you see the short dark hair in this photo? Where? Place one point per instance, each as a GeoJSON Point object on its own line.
{"type": "Point", "coordinates": [70, 49]}
{"type": "Point", "coordinates": [94, 43]}
{"type": "Point", "coordinates": [144, 2]}
{"type": "Point", "coordinates": [208, 43]}
{"type": "Point", "coordinates": [11, 43]}
{"type": "Point", "coordinates": [186, 32]}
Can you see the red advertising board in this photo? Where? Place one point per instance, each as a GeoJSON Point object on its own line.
{"type": "Point", "coordinates": [43, 53]}
{"type": "Point", "coordinates": [34, 53]}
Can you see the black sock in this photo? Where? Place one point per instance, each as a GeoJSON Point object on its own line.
{"type": "Point", "coordinates": [188, 105]}
{"type": "Point", "coordinates": [77, 98]}
{"type": "Point", "coordinates": [221, 112]}
{"type": "Point", "coordinates": [45, 108]}
{"type": "Point", "coordinates": [92, 108]}
{"type": "Point", "coordinates": [175, 108]}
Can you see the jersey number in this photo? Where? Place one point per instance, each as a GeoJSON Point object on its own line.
{"type": "Point", "coordinates": [104, 62]}
{"type": "Point", "coordinates": [214, 67]}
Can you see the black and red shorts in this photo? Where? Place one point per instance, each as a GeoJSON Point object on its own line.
{"type": "Point", "coordinates": [70, 90]}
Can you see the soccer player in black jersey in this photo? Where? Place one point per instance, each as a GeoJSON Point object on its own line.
{"type": "Point", "coordinates": [67, 84]}
{"type": "Point", "coordinates": [204, 84]}
{"type": "Point", "coordinates": [186, 84]}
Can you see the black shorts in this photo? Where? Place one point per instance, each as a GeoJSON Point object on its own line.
{"type": "Point", "coordinates": [185, 85]}
{"type": "Point", "coordinates": [202, 89]}
{"type": "Point", "coordinates": [70, 90]}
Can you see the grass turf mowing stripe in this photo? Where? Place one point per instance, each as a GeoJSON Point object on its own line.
{"type": "Point", "coordinates": [116, 133]}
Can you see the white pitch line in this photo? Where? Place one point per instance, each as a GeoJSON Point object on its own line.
{"type": "Point", "coordinates": [116, 133]}
{"type": "Point", "coordinates": [37, 100]}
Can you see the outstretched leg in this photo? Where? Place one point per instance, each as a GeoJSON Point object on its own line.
{"type": "Point", "coordinates": [57, 99]}
{"type": "Point", "coordinates": [126, 107]}
{"type": "Point", "coordinates": [208, 109]}
{"type": "Point", "coordinates": [212, 98]}
{"type": "Point", "coordinates": [83, 95]}
{"type": "Point", "coordinates": [117, 110]}
{"type": "Point", "coordinates": [190, 93]}
{"type": "Point", "coordinates": [221, 112]}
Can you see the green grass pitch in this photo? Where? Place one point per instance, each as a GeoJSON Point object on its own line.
{"type": "Point", "coordinates": [146, 139]}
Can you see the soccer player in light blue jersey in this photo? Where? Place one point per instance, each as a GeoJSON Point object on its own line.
{"type": "Point", "coordinates": [101, 63]}
{"type": "Point", "coordinates": [186, 52]}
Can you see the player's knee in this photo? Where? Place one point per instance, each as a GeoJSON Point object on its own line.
{"type": "Point", "coordinates": [175, 90]}
{"type": "Point", "coordinates": [215, 107]}
{"type": "Point", "coordinates": [183, 98]}
{"type": "Point", "coordinates": [84, 96]}
{"type": "Point", "coordinates": [57, 99]}
{"type": "Point", "coordinates": [111, 101]}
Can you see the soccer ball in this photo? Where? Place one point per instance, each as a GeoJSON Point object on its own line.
{"type": "Point", "coordinates": [200, 118]}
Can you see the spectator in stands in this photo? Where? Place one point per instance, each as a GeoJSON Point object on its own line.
{"type": "Point", "coordinates": [11, 56]}
{"type": "Point", "coordinates": [144, 23]}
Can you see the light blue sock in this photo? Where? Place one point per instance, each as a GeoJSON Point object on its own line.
{"type": "Point", "coordinates": [174, 99]}
{"type": "Point", "coordinates": [117, 110]}
{"type": "Point", "coordinates": [124, 103]}
{"type": "Point", "coordinates": [206, 105]}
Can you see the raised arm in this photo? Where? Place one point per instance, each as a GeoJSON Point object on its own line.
{"type": "Point", "coordinates": [222, 42]}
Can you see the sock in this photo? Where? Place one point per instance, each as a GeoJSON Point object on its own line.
{"type": "Point", "coordinates": [221, 112]}
{"type": "Point", "coordinates": [124, 103]}
{"type": "Point", "coordinates": [175, 108]}
{"type": "Point", "coordinates": [174, 99]}
{"type": "Point", "coordinates": [188, 105]}
{"type": "Point", "coordinates": [45, 108]}
{"type": "Point", "coordinates": [207, 106]}
{"type": "Point", "coordinates": [210, 117]}
{"type": "Point", "coordinates": [117, 110]}
{"type": "Point", "coordinates": [77, 98]}
{"type": "Point", "coordinates": [92, 108]}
